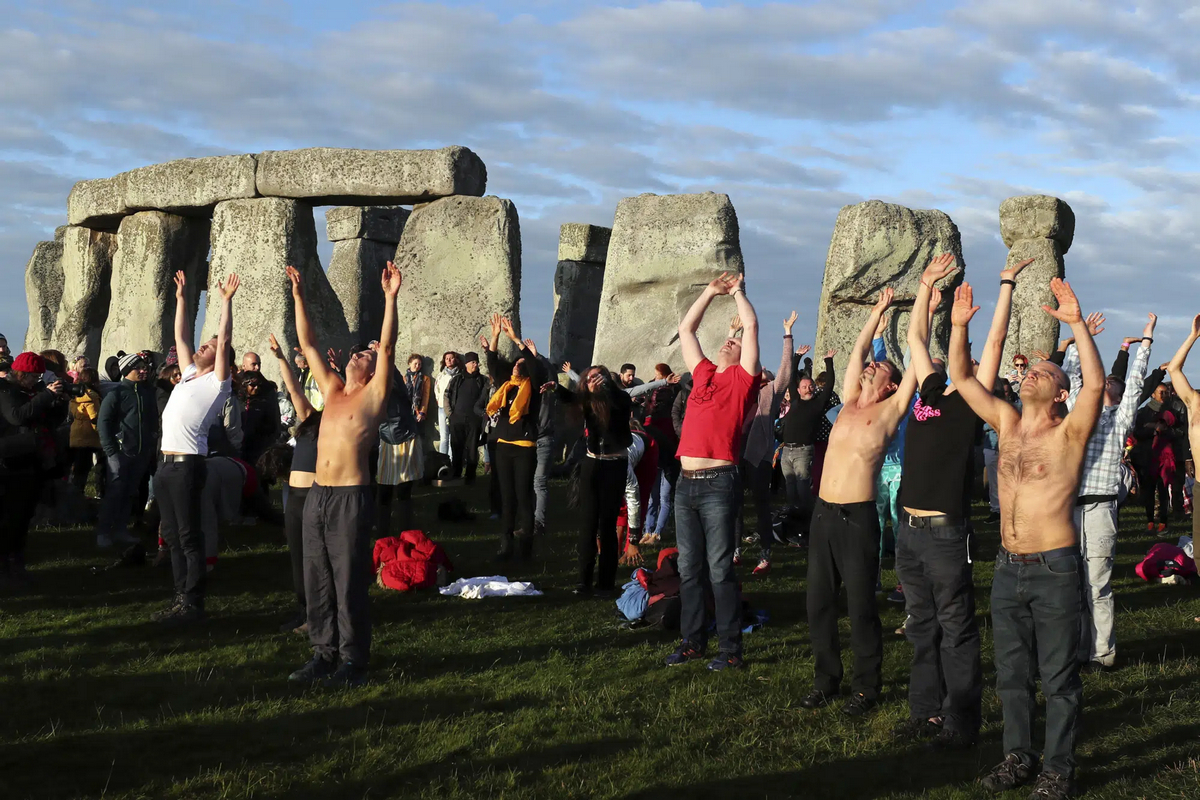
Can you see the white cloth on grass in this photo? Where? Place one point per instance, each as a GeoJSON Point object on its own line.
{"type": "Point", "coordinates": [489, 586]}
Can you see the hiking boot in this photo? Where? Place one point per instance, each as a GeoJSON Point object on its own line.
{"type": "Point", "coordinates": [816, 699]}
{"type": "Point", "coordinates": [1052, 786]}
{"type": "Point", "coordinates": [917, 729]}
{"type": "Point", "coordinates": [764, 566]}
{"type": "Point", "coordinates": [954, 740]}
{"type": "Point", "coordinates": [1008, 774]}
{"type": "Point", "coordinates": [897, 595]}
{"type": "Point", "coordinates": [727, 661]}
{"type": "Point", "coordinates": [104, 541]}
{"type": "Point", "coordinates": [859, 705]}
{"type": "Point", "coordinates": [293, 623]}
{"type": "Point", "coordinates": [347, 676]}
{"type": "Point", "coordinates": [182, 615]}
{"type": "Point", "coordinates": [684, 653]}
{"type": "Point", "coordinates": [314, 671]}
{"type": "Point", "coordinates": [171, 609]}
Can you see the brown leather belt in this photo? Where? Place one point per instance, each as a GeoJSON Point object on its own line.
{"type": "Point", "coordinates": [711, 472]}
{"type": "Point", "coordinates": [1037, 558]}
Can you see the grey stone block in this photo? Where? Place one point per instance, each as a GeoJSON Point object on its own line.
{"type": "Point", "coordinates": [354, 274]}
{"type": "Point", "coordinates": [1037, 216]}
{"type": "Point", "coordinates": [190, 186]}
{"type": "Point", "coordinates": [98, 204]}
{"type": "Point", "coordinates": [578, 287]}
{"type": "Point", "coordinates": [664, 250]}
{"type": "Point", "coordinates": [340, 176]}
{"type": "Point", "coordinates": [43, 292]}
{"type": "Point", "coordinates": [1030, 327]}
{"type": "Point", "coordinates": [580, 242]}
{"type": "Point", "coordinates": [151, 247]}
{"type": "Point", "coordinates": [83, 307]}
{"type": "Point", "coordinates": [377, 223]}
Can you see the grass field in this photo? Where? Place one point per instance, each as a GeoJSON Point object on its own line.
{"type": "Point", "coordinates": [516, 698]}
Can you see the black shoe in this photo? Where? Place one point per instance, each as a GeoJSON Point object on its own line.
{"type": "Point", "coordinates": [348, 675]}
{"type": "Point", "coordinates": [1052, 786]}
{"type": "Point", "coordinates": [816, 699]}
{"type": "Point", "coordinates": [916, 730]}
{"type": "Point", "coordinates": [1008, 774]}
{"type": "Point", "coordinates": [293, 623]}
{"type": "Point", "coordinates": [954, 740]}
{"type": "Point", "coordinates": [182, 615]}
{"type": "Point", "coordinates": [314, 671]}
{"type": "Point", "coordinates": [859, 705]}
{"type": "Point", "coordinates": [158, 616]}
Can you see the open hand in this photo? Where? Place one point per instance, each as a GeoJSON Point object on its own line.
{"type": "Point", "coordinates": [831, 354]}
{"type": "Point", "coordinates": [1010, 274]}
{"type": "Point", "coordinates": [294, 276]}
{"type": "Point", "coordinates": [507, 326]}
{"type": "Point", "coordinates": [1068, 304]}
{"type": "Point", "coordinates": [724, 283]}
{"type": "Point", "coordinates": [566, 367]}
{"type": "Point", "coordinates": [674, 379]}
{"type": "Point", "coordinates": [180, 282]}
{"type": "Point", "coordinates": [391, 280]}
{"type": "Point", "coordinates": [1041, 355]}
{"type": "Point", "coordinates": [938, 268]}
{"type": "Point", "coordinates": [804, 350]}
{"type": "Point", "coordinates": [497, 324]}
{"type": "Point", "coordinates": [885, 300]}
{"type": "Point", "coordinates": [229, 286]}
{"type": "Point", "coordinates": [964, 307]}
{"type": "Point", "coordinates": [531, 347]}
{"type": "Point", "coordinates": [788, 323]}
{"type": "Point", "coordinates": [935, 300]}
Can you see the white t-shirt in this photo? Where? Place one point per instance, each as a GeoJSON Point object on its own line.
{"type": "Point", "coordinates": [191, 411]}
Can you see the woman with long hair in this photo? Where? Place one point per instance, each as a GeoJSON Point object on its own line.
{"type": "Point", "coordinates": [451, 366]}
{"type": "Point", "coordinates": [514, 407]}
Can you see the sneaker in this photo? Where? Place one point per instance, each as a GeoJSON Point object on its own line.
{"type": "Point", "coordinates": [171, 609]}
{"type": "Point", "coordinates": [764, 566]}
{"type": "Point", "coordinates": [1150, 526]}
{"type": "Point", "coordinates": [125, 537]}
{"type": "Point", "coordinates": [726, 661]}
{"type": "Point", "coordinates": [182, 615]}
{"type": "Point", "coordinates": [313, 672]}
{"type": "Point", "coordinates": [816, 699]}
{"type": "Point", "coordinates": [1008, 774]}
{"type": "Point", "coordinates": [1162, 527]}
{"type": "Point", "coordinates": [684, 653]}
{"type": "Point", "coordinates": [1052, 786]}
{"type": "Point", "coordinates": [859, 705]}
{"type": "Point", "coordinates": [750, 539]}
{"type": "Point", "coordinates": [347, 676]}
{"type": "Point", "coordinates": [916, 729]}
{"type": "Point", "coordinates": [293, 623]}
{"type": "Point", "coordinates": [897, 595]}
{"type": "Point", "coordinates": [104, 541]}
{"type": "Point", "coordinates": [954, 740]}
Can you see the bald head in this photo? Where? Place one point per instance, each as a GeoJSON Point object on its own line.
{"type": "Point", "coordinates": [1045, 382]}
{"type": "Point", "coordinates": [251, 362]}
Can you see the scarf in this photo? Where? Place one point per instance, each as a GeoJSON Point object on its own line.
{"type": "Point", "coordinates": [411, 381]}
{"type": "Point", "coordinates": [520, 404]}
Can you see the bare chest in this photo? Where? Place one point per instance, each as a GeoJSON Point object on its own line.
{"type": "Point", "coordinates": [1034, 458]}
{"type": "Point", "coordinates": [860, 429]}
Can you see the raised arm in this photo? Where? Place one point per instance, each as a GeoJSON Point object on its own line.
{"type": "Point", "coordinates": [327, 380]}
{"type": "Point", "coordinates": [1175, 368]}
{"type": "Point", "coordinates": [183, 337]}
{"type": "Point", "coordinates": [228, 289]}
{"type": "Point", "coordinates": [294, 390]}
{"type": "Point", "coordinates": [693, 354]}
{"type": "Point", "coordinates": [1090, 398]}
{"type": "Point", "coordinates": [918, 319]}
{"type": "Point", "coordinates": [381, 381]}
{"type": "Point", "coordinates": [854, 369]}
{"type": "Point", "coordinates": [993, 348]}
{"type": "Point", "coordinates": [750, 360]}
{"type": "Point", "coordinates": [990, 408]}
{"type": "Point", "coordinates": [783, 379]}
{"type": "Point", "coordinates": [1127, 412]}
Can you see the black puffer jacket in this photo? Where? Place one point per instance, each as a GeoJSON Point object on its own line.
{"type": "Point", "coordinates": [128, 420]}
{"type": "Point", "coordinates": [28, 420]}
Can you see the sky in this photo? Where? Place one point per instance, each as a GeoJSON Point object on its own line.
{"type": "Point", "coordinates": [792, 109]}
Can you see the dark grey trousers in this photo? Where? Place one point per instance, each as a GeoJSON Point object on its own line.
{"type": "Point", "coordinates": [337, 570]}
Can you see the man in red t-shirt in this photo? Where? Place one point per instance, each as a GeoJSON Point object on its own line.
{"type": "Point", "coordinates": [709, 485]}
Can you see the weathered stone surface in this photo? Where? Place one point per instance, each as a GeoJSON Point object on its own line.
{"type": "Point", "coordinates": [378, 223]}
{"type": "Point", "coordinates": [190, 186]}
{"type": "Point", "coordinates": [664, 250]}
{"type": "Point", "coordinates": [151, 247]}
{"type": "Point", "coordinates": [354, 274]}
{"type": "Point", "coordinates": [341, 176]}
{"type": "Point", "coordinates": [43, 292]}
{"type": "Point", "coordinates": [1030, 327]}
{"type": "Point", "coordinates": [876, 245]}
{"type": "Point", "coordinates": [83, 308]}
{"type": "Point", "coordinates": [580, 242]}
{"type": "Point", "coordinates": [98, 204]}
{"type": "Point", "coordinates": [461, 262]}
{"type": "Point", "coordinates": [258, 238]}
{"type": "Point", "coordinates": [1037, 216]}
{"type": "Point", "coordinates": [578, 287]}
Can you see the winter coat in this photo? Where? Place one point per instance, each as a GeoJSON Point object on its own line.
{"type": "Point", "coordinates": [85, 411]}
{"type": "Point", "coordinates": [408, 561]}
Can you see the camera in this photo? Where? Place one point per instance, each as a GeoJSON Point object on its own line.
{"type": "Point", "coordinates": [74, 389]}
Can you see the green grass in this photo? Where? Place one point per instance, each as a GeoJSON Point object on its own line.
{"type": "Point", "coordinates": [519, 698]}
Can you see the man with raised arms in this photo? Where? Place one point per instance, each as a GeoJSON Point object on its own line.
{"type": "Point", "coordinates": [340, 509]}
{"type": "Point", "coordinates": [1037, 589]}
{"type": "Point", "coordinates": [844, 535]}
{"type": "Point", "coordinates": [1190, 397]}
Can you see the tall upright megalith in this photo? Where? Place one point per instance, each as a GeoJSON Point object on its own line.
{"type": "Point", "coordinates": [83, 308]}
{"type": "Point", "coordinates": [151, 247]}
{"type": "Point", "coordinates": [877, 245]}
{"type": "Point", "coordinates": [43, 292]}
{"type": "Point", "coordinates": [364, 240]}
{"type": "Point", "coordinates": [1041, 228]}
{"type": "Point", "coordinates": [578, 286]}
{"type": "Point", "coordinates": [664, 250]}
{"type": "Point", "coordinates": [460, 258]}
{"type": "Point", "coordinates": [258, 238]}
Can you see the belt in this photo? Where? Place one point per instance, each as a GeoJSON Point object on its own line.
{"type": "Point", "coordinates": [711, 472]}
{"type": "Point", "coordinates": [1088, 499]}
{"type": "Point", "coordinates": [608, 456]}
{"type": "Point", "coordinates": [1037, 558]}
{"type": "Point", "coordinates": [177, 458]}
{"type": "Point", "coordinates": [934, 521]}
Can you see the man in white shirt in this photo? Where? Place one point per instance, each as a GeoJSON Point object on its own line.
{"type": "Point", "coordinates": [179, 482]}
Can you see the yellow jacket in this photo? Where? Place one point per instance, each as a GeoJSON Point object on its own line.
{"type": "Point", "coordinates": [84, 411]}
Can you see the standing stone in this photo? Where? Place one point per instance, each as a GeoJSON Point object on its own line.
{"type": "Point", "coordinates": [461, 262]}
{"type": "Point", "coordinates": [151, 247]}
{"type": "Point", "coordinates": [876, 245]}
{"type": "Point", "coordinates": [258, 238]}
{"type": "Point", "coordinates": [83, 308]}
{"type": "Point", "coordinates": [1041, 228]}
{"type": "Point", "coordinates": [578, 287]}
{"type": "Point", "coordinates": [43, 292]}
{"type": "Point", "coordinates": [354, 274]}
{"type": "Point", "coordinates": [664, 250]}
{"type": "Point", "coordinates": [377, 223]}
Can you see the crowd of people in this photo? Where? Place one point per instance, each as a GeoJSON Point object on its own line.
{"type": "Point", "coordinates": [176, 444]}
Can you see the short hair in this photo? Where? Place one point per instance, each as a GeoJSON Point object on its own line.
{"type": "Point", "coordinates": [897, 375]}
{"type": "Point", "coordinates": [416, 356]}
{"type": "Point", "coordinates": [1022, 357]}
{"type": "Point", "coordinates": [55, 361]}
{"type": "Point", "coordinates": [628, 367]}
{"type": "Point", "coordinates": [662, 369]}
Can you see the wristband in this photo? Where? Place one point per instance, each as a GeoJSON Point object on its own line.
{"type": "Point", "coordinates": [787, 336]}
{"type": "Point", "coordinates": [1009, 281]}
{"type": "Point", "coordinates": [735, 291]}
{"type": "Point", "coordinates": [1149, 339]}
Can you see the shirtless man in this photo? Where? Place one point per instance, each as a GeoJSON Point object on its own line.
{"type": "Point", "coordinates": [1037, 590]}
{"type": "Point", "coordinates": [1191, 399]}
{"type": "Point", "coordinates": [340, 509]}
{"type": "Point", "coordinates": [844, 535]}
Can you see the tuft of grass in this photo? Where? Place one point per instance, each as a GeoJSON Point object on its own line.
{"type": "Point", "coordinates": [517, 697]}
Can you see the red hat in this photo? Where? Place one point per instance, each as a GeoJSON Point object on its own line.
{"type": "Point", "coordinates": [29, 362]}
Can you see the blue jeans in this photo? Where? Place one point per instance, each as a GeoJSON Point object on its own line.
{"type": "Point", "coordinates": [704, 523]}
{"type": "Point", "coordinates": [1037, 609]}
{"type": "Point", "coordinates": [658, 509]}
{"type": "Point", "coordinates": [541, 476]}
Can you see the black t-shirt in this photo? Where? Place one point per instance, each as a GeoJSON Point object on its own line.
{"type": "Point", "coordinates": [939, 448]}
{"type": "Point", "coordinates": [802, 423]}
